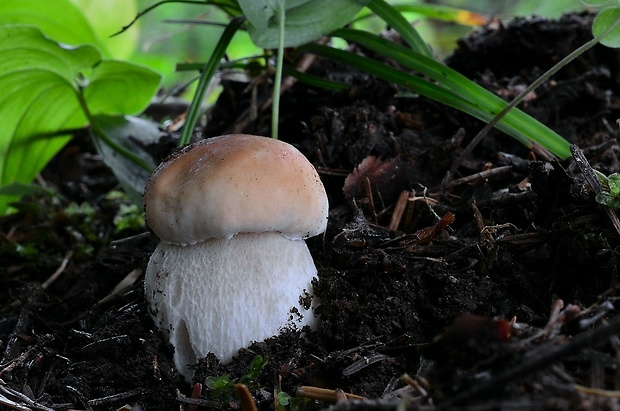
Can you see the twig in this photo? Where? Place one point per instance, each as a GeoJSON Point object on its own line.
{"type": "Point", "coordinates": [12, 404]}
{"type": "Point", "coordinates": [126, 282]}
{"type": "Point", "coordinates": [99, 401]}
{"type": "Point", "coordinates": [597, 391]}
{"type": "Point", "coordinates": [81, 398]}
{"type": "Point", "coordinates": [323, 394]}
{"type": "Point", "coordinates": [583, 340]}
{"type": "Point", "coordinates": [245, 398]}
{"type": "Point", "coordinates": [399, 210]}
{"type": "Point", "coordinates": [595, 184]}
{"type": "Point", "coordinates": [9, 395]}
{"type": "Point", "coordinates": [479, 176]}
{"type": "Point", "coordinates": [58, 271]}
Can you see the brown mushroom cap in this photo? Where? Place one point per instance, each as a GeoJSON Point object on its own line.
{"type": "Point", "coordinates": [233, 184]}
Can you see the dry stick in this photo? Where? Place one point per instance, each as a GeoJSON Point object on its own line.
{"type": "Point", "coordinates": [8, 397]}
{"type": "Point", "coordinates": [479, 176]}
{"type": "Point", "coordinates": [595, 184]}
{"type": "Point", "coordinates": [59, 271]}
{"type": "Point", "coordinates": [322, 394]}
{"type": "Point", "coordinates": [399, 210]}
{"type": "Point", "coordinates": [245, 398]}
{"type": "Point", "coordinates": [586, 339]}
{"type": "Point", "coordinates": [557, 67]}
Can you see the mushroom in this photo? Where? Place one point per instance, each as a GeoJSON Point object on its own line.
{"type": "Point", "coordinates": [232, 267]}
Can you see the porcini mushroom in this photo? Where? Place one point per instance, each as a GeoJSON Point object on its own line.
{"type": "Point", "coordinates": [232, 267]}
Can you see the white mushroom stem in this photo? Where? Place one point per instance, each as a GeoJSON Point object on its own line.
{"type": "Point", "coordinates": [221, 295]}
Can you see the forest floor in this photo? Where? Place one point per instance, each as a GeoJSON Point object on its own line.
{"type": "Point", "coordinates": [494, 291]}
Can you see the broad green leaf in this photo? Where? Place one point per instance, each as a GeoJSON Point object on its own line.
{"type": "Point", "coordinates": [603, 21]}
{"type": "Point", "coordinates": [306, 20]}
{"type": "Point", "coordinates": [60, 20]}
{"type": "Point", "coordinates": [42, 83]}
{"type": "Point", "coordinates": [134, 134]}
{"type": "Point", "coordinates": [37, 79]}
{"type": "Point", "coordinates": [104, 17]}
{"type": "Point", "coordinates": [118, 87]}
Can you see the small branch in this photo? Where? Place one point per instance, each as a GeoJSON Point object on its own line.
{"type": "Point", "coordinates": [536, 362]}
{"type": "Point", "coordinates": [588, 173]}
{"type": "Point", "coordinates": [58, 271]}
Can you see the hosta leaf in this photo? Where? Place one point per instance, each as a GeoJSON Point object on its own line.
{"type": "Point", "coordinates": [60, 20]}
{"type": "Point", "coordinates": [134, 134]}
{"type": "Point", "coordinates": [106, 18]}
{"type": "Point", "coordinates": [41, 81]}
{"type": "Point", "coordinates": [306, 20]}
{"type": "Point", "coordinates": [118, 87]}
{"type": "Point", "coordinates": [37, 79]}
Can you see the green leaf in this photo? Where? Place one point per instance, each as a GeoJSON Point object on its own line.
{"type": "Point", "coordinates": [306, 20]}
{"type": "Point", "coordinates": [483, 104]}
{"type": "Point", "coordinates": [614, 184]}
{"type": "Point", "coordinates": [134, 134]}
{"type": "Point", "coordinates": [313, 80]}
{"type": "Point", "coordinates": [605, 199]}
{"type": "Point", "coordinates": [61, 20]}
{"type": "Point", "coordinates": [604, 20]}
{"type": "Point", "coordinates": [602, 178]}
{"type": "Point", "coordinates": [41, 83]}
{"type": "Point", "coordinates": [37, 79]}
{"type": "Point", "coordinates": [118, 87]}
{"type": "Point", "coordinates": [397, 21]}
{"type": "Point", "coordinates": [283, 398]}
{"type": "Point", "coordinates": [19, 189]}
{"type": "Point", "coordinates": [104, 17]}
{"type": "Point", "coordinates": [207, 74]}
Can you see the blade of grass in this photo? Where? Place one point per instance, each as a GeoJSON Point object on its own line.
{"type": "Point", "coordinates": [314, 80]}
{"type": "Point", "coordinates": [415, 83]}
{"type": "Point", "coordinates": [208, 72]}
{"type": "Point", "coordinates": [544, 77]}
{"type": "Point", "coordinates": [527, 126]}
{"type": "Point", "coordinates": [398, 22]}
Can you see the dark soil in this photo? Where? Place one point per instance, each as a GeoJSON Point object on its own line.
{"type": "Point", "coordinates": [511, 305]}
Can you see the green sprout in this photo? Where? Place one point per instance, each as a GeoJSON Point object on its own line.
{"type": "Point", "coordinates": [223, 387]}
{"type": "Point", "coordinates": [611, 183]}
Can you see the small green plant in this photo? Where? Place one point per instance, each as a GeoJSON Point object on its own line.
{"type": "Point", "coordinates": [285, 401]}
{"type": "Point", "coordinates": [611, 183]}
{"type": "Point", "coordinates": [223, 388]}
{"type": "Point", "coordinates": [424, 75]}
{"type": "Point", "coordinates": [129, 217]}
{"type": "Point", "coordinates": [279, 25]}
{"type": "Point", "coordinates": [50, 90]}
